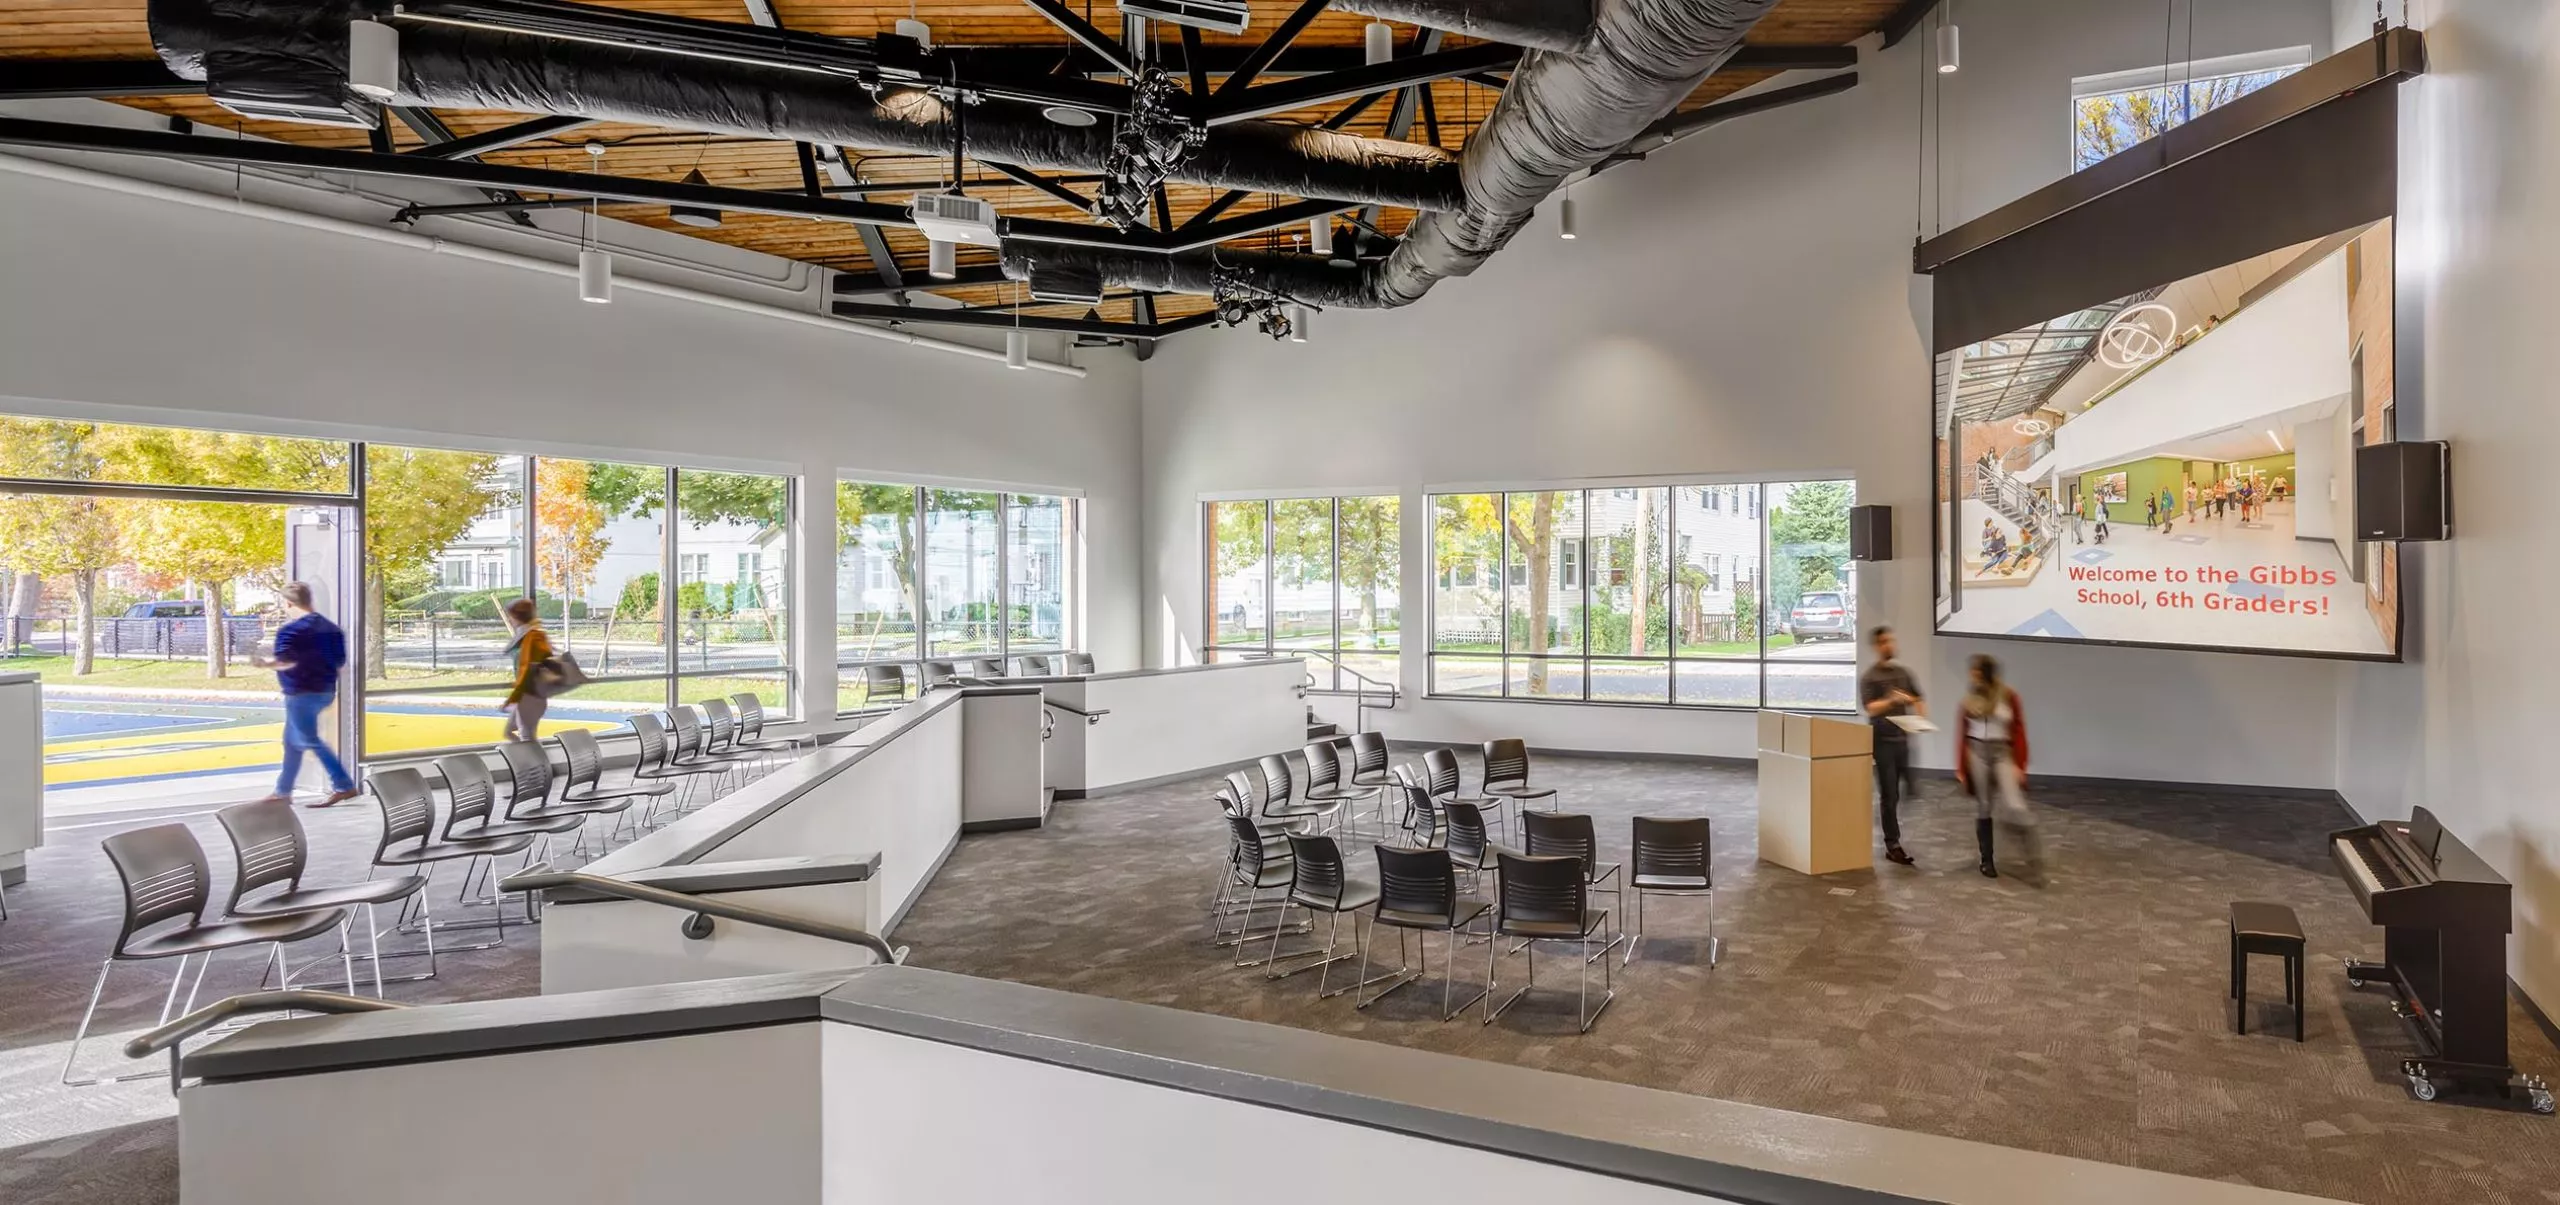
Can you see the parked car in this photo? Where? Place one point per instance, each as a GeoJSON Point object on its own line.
{"type": "Point", "coordinates": [174, 627]}
{"type": "Point", "coordinates": [167, 608]}
{"type": "Point", "coordinates": [1820, 614]}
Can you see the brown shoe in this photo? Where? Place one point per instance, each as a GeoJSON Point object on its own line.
{"type": "Point", "coordinates": [334, 798]}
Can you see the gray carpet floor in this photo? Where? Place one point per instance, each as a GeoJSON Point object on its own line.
{"type": "Point", "coordinates": [2084, 1015]}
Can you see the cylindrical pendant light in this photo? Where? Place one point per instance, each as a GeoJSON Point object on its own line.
{"type": "Point", "coordinates": [1947, 60]}
{"type": "Point", "coordinates": [909, 27]}
{"type": "Point", "coordinates": [595, 276]}
{"type": "Point", "coordinates": [1320, 235]}
{"type": "Point", "coordinates": [1298, 315]}
{"type": "Point", "coordinates": [941, 259]}
{"type": "Point", "coordinates": [1564, 216]}
{"type": "Point", "coordinates": [1017, 349]}
{"type": "Point", "coordinates": [1381, 45]}
{"type": "Point", "coordinates": [373, 59]}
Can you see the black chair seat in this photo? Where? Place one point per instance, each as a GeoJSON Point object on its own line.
{"type": "Point", "coordinates": [460, 847]}
{"type": "Point", "coordinates": [523, 825]}
{"type": "Point", "coordinates": [1566, 930]}
{"type": "Point", "coordinates": [678, 770]}
{"type": "Point", "coordinates": [569, 816]}
{"type": "Point", "coordinates": [1464, 914]}
{"type": "Point", "coordinates": [223, 935]}
{"type": "Point", "coordinates": [1355, 895]}
{"type": "Point", "coordinates": [1521, 792]}
{"type": "Point", "coordinates": [634, 791]}
{"type": "Point", "coordinates": [1672, 882]}
{"type": "Point", "coordinates": [1338, 796]}
{"type": "Point", "coordinates": [1276, 874]}
{"type": "Point", "coordinates": [1295, 812]}
{"type": "Point", "coordinates": [2265, 922]}
{"type": "Point", "coordinates": [346, 895]}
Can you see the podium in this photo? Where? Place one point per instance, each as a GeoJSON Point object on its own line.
{"type": "Point", "coordinates": [1816, 776]}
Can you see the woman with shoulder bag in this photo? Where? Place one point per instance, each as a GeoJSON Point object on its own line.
{"type": "Point", "coordinates": [1991, 761]}
{"type": "Point", "coordinates": [532, 651]}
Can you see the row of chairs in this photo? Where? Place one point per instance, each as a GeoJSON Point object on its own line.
{"type": "Point", "coordinates": [888, 681]}
{"type": "Point", "coordinates": [166, 875]}
{"type": "Point", "coordinates": [1332, 795]}
{"type": "Point", "coordinates": [1542, 894]}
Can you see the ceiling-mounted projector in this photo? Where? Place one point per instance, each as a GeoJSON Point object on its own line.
{"type": "Point", "coordinates": [950, 217]}
{"type": "Point", "coordinates": [1223, 16]}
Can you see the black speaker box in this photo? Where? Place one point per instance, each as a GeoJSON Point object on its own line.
{"type": "Point", "coordinates": [1871, 533]}
{"type": "Point", "coordinates": [2404, 491]}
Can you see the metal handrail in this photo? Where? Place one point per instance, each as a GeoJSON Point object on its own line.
{"type": "Point", "coordinates": [1360, 704]}
{"type": "Point", "coordinates": [168, 1036]}
{"type": "Point", "coordinates": [1090, 717]}
{"type": "Point", "coordinates": [703, 908]}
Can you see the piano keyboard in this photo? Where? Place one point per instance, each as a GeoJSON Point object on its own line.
{"type": "Point", "coordinates": [2352, 857]}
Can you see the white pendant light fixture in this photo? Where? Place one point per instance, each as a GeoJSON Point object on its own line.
{"type": "Point", "coordinates": [1017, 343]}
{"type": "Point", "coordinates": [373, 59]}
{"type": "Point", "coordinates": [1320, 235]}
{"type": "Point", "coordinates": [941, 259]}
{"type": "Point", "coordinates": [909, 27]}
{"type": "Point", "coordinates": [1947, 58]}
{"type": "Point", "coordinates": [1564, 216]}
{"type": "Point", "coordinates": [595, 264]}
{"type": "Point", "coordinates": [1298, 315]}
{"type": "Point", "coordinates": [1381, 43]}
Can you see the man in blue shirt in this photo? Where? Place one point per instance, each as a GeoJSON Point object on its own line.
{"type": "Point", "coordinates": [310, 651]}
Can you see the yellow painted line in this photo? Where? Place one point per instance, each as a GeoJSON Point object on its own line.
{"type": "Point", "coordinates": [249, 746]}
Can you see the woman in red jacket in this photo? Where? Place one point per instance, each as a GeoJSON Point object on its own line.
{"type": "Point", "coordinates": [1991, 760]}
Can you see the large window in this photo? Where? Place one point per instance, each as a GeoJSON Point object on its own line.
{"type": "Point", "coordinates": [2110, 113]}
{"type": "Point", "coordinates": [1307, 576]}
{"type": "Point", "coordinates": [1647, 594]}
{"type": "Point", "coordinates": [924, 573]}
{"type": "Point", "coordinates": [452, 537]}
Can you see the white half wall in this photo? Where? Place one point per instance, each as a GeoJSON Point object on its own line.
{"type": "Point", "coordinates": [2464, 729]}
{"type": "Point", "coordinates": [1740, 304]}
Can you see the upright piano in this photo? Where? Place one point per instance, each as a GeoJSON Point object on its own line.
{"type": "Point", "coordinates": [2445, 915]}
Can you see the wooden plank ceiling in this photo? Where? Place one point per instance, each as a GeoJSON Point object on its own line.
{"type": "Point", "coordinates": [117, 29]}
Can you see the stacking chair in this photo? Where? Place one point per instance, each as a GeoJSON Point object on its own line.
{"type": "Point", "coordinates": [1033, 665]}
{"type": "Point", "coordinates": [1321, 884]}
{"type": "Point", "coordinates": [1325, 785]}
{"type": "Point", "coordinates": [1548, 899]}
{"type": "Point", "coordinates": [409, 815]}
{"type": "Point", "coordinates": [657, 764]}
{"type": "Point", "coordinates": [1369, 760]}
{"type": "Point", "coordinates": [939, 673]}
{"type": "Point", "coordinates": [1470, 848]}
{"type": "Point", "coordinates": [1441, 767]}
{"type": "Point", "coordinates": [1506, 775]}
{"type": "Point", "coordinates": [268, 847]}
{"type": "Point", "coordinates": [166, 878]}
{"type": "Point", "coordinates": [471, 814]}
{"type": "Point", "coordinates": [1422, 820]}
{"type": "Point", "coordinates": [1569, 835]}
{"type": "Point", "coordinates": [729, 736]}
{"type": "Point", "coordinates": [984, 667]}
{"type": "Point", "coordinates": [884, 681]}
{"type": "Point", "coordinates": [1280, 800]}
{"type": "Point", "coordinates": [1672, 859]}
{"type": "Point", "coordinates": [690, 746]}
{"type": "Point", "coordinates": [1418, 889]}
{"type": "Point", "coordinates": [529, 796]}
{"type": "Point", "coordinates": [1257, 867]}
{"type": "Point", "coordinates": [1235, 798]}
{"type": "Point", "coordinates": [583, 780]}
{"type": "Point", "coordinates": [1073, 663]}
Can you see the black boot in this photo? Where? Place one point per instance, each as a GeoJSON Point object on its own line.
{"type": "Point", "coordinates": [1982, 836]}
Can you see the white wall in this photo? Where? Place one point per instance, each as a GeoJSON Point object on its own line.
{"type": "Point", "coordinates": [1741, 303]}
{"type": "Point", "coordinates": [215, 318]}
{"type": "Point", "coordinates": [2465, 728]}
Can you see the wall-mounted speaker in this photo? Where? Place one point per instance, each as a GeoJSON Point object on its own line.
{"type": "Point", "coordinates": [2404, 491]}
{"type": "Point", "coordinates": [1871, 533]}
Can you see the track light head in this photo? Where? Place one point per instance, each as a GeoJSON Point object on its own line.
{"type": "Point", "coordinates": [1379, 43]}
{"type": "Point", "coordinates": [373, 59]}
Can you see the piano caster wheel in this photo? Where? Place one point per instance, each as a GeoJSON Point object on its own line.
{"type": "Point", "coordinates": [2541, 1100]}
{"type": "Point", "coordinates": [2422, 1087]}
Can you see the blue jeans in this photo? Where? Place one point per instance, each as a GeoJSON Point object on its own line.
{"type": "Point", "coordinates": [302, 731]}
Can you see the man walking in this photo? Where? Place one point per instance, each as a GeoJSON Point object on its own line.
{"type": "Point", "coordinates": [310, 651]}
{"type": "Point", "coordinates": [1888, 690]}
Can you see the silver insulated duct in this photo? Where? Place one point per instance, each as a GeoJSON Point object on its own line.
{"type": "Point", "coordinates": [253, 46]}
{"type": "Point", "coordinates": [1535, 24]}
{"type": "Point", "coordinates": [1564, 112]}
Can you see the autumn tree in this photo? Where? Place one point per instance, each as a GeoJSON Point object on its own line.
{"type": "Point", "coordinates": [45, 535]}
{"type": "Point", "coordinates": [568, 527]}
{"type": "Point", "coordinates": [209, 545]}
{"type": "Point", "coordinates": [1371, 562]}
{"type": "Point", "coordinates": [857, 503]}
{"type": "Point", "coordinates": [418, 501]}
{"type": "Point", "coordinates": [1532, 520]}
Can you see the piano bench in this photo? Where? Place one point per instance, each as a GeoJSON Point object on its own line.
{"type": "Point", "coordinates": [2266, 929]}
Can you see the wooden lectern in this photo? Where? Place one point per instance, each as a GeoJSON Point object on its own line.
{"type": "Point", "coordinates": [1815, 776]}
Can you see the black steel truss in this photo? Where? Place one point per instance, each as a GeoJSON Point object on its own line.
{"type": "Point", "coordinates": [1396, 73]}
{"type": "Point", "coordinates": [996, 320]}
{"type": "Point", "coordinates": [850, 284]}
{"type": "Point", "coordinates": [469, 146]}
